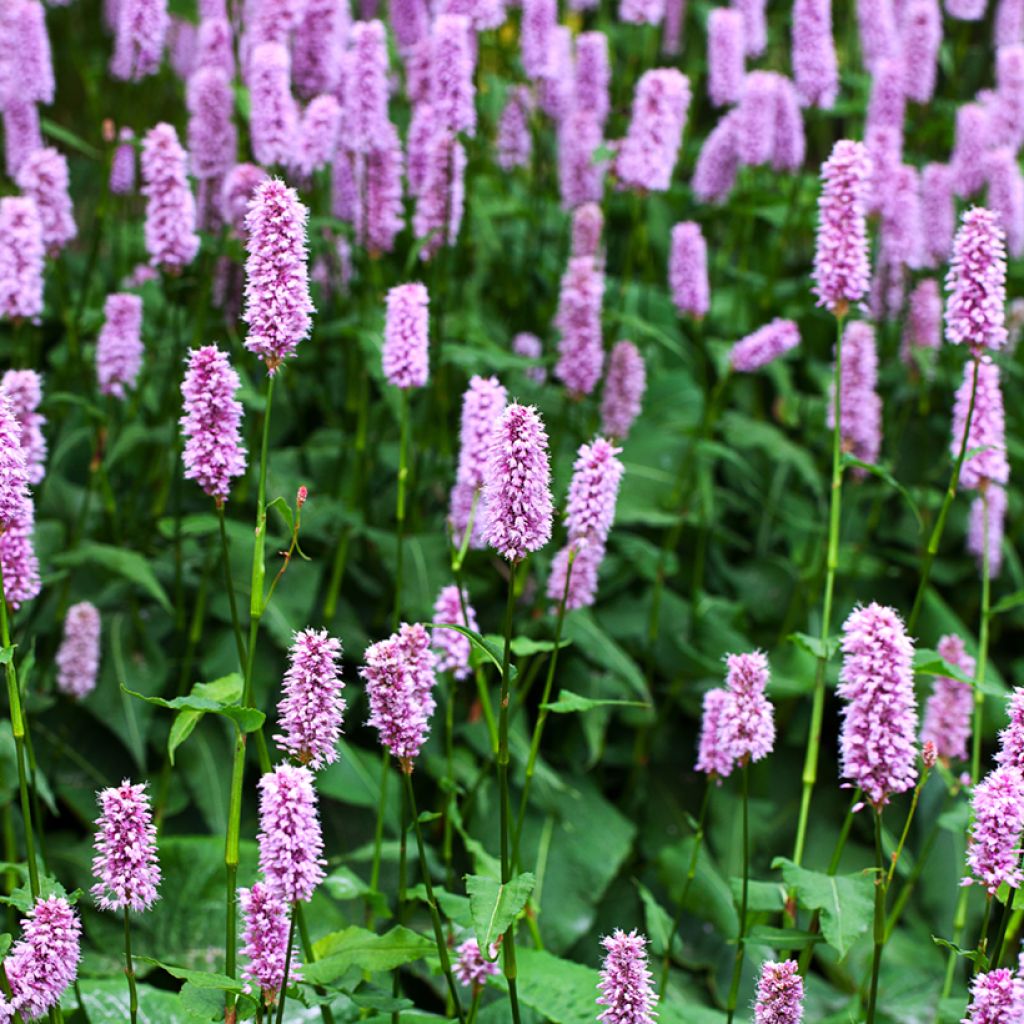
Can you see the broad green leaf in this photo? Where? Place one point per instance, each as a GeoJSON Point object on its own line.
{"type": "Point", "coordinates": [813, 644]}
{"type": "Point", "coordinates": [1008, 603]}
{"type": "Point", "coordinates": [780, 938]}
{"type": "Point", "coordinates": [525, 646]}
{"type": "Point", "coordinates": [209, 697]}
{"type": "Point", "coordinates": [568, 702]}
{"type": "Point", "coordinates": [582, 628]}
{"type": "Point", "coordinates": [201, 979]}
{"type": "Point", "coordinates": [340, 951]}
{"type": "Point", "coordinates": [884, 474]}
{"type": "Point", "coordinates": [489, 647]}
{"type": "Point", "coordinates": [930, 663]}
{"type": "Point", "coordinates": [106, 1002]}
{"type": "Point", "coordinates": [129, 564]}
{"type": "Point", "coordinates": [494, 905]}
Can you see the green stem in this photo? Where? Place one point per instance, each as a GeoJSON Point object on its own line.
{"type": "Point", "coordinates": [810, 773]}
{"type": "Point", "coordinates": [435, 916]}
{"type": "Point", "coordinates": [979, 676]}
{"type": "Point", "coordinates": [231, 857]}
{"type": "Point", "coordinates": [129, 970]}
{"type": "Point", "coordinates": [737, 970]}
{"type": "Point", "coordinates": [959, 923]}
{"type": "Point", "coordinates": [983, 934]}
{"type": "Point", "coordinates": [906, 827]}
{"type": "Point", "coordinates": [326, 1014]}
{"type": "Point", "coordinates": [229, 585]}
{"type": "Point", "coordinates": [947, 502]}
{"type": "Point", "coordinates": [908, 887]}
{"type": "Point", "coordinates": [378, 835]}
{"type": "Point", "coordinates": [879, 926]}
{"type": "Point", "coordinates": [403, 473]}
{"type": "Point", "coordinates": [287, 966]}
{"type": "Point", "coordinates": [1004, 921]}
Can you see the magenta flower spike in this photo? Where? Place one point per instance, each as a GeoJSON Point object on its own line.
{"type": "Point", "coordinates": [994, 843]}
{"type": "Point", "coordinates": [211, 422]}
{"type": "Point", "coordinates": [317, 136]}
{"type": "Point", "coordinates": [756, 116]}
{"type": "Point", "coordinates": [122, 167]}
{"type": "Point", "coordinates": [451, 647]}
{"type": "Point", "coordinates": [581, 348]}
{"type": "Point", "coordinates": [624, 384]}
{"type": "Point", "coordinates": [440, 203]}
{"type": "Point", "coordinates": [43, 177]}
{"type": "Point", "coordinates": [647, 156]}
{"type": "Point", "coordinates": [921, 35]}
{"type": "Point", "coordinates": [580, 176]}
{"type": "Point", "coordinates": [746, 724]}
{"type": "Point", "coordinates": [514, 143]}
{"type": "Point", "coordinates": [627, 991]}
{"type": "Point", "coordinates": [24, 390]}
{"type": "Point", "coordinates": [529, 346]}
{"type": "Point", "coordinates": [366, 86]}
{"type": "Point", "coordinates": [780, 994]}
{"type": "Point", "coordinates": [44, 961]}
{"type": "Point", "coordinates": [125, 865]}
{"type": "Point", "coordinates": [317, 45]}
{"type": "Point", "coordinates": [987, 428]}
{"type": "Point", "coordinates": [997, 997]}
{"type": "Point", "coordinates": [1005, 196]}
{"type": "Point", "coordinates": [938, 211]}
{"type": "Point", "coordinates": [78, 658]}
{"type": "Point", "coordinates": [171, 239]}
{"type": "Point", "coordinates": [278, 303]}
{"type": "Point", "coordinates": [140, 32]}
{"type": "Point", "coordinates": [405, 355]}
{"type": "Point", "coordinates": [21, 259]}
{"type": "Point", "coordinates": [972, 139]}
{"type": "Point", "coordinates": [582, 589]}
{"type": "Point", "coordinates": [29, 73]}
{"type": "Point", "coordinates": [119, 348]}
{"type": "Point", "coordinates": [1008, 112]}
{"type": "Point", "coordinates": [212, 138]}
{"type": "Point", "coordinates": [841, 266]}
{"type": "Point", "coordinates": [593, 492]}
{"type": "Point", "coordinates": [860, 405]}
{"type": "Point", "coordinates": [975, 313]}
{"type": "Point", "coordinates": [947, 715]}
{"type": "Point", "coordinates": [672, 32]}
{"type": "Point", "coordinates": [726, 56]}
{"type": "Point", "coordinates": [517, 487]}
{"type": "Point", "coordinates": [688, 270]}
{"type": "Point", "coordinates": [713, 758]}
{"type": "Point", "coordinates": [593, 75]}
{"type": "Point", "coordinates": [410, 23]}
{"type": "Point", "coordinates": [718, 162]}
{"type": "Point", "coordinates": [991, 505]}
{"type": "Point", "coordinates": [923, 326]}
{"type": "Point", "coordinates": [422, 127]}
{"type": "Point", "coordinates": [215, 45]}
{"type": "Point", "coordinates": [265, 937]}
{"type": "Point", "coordinates": [587, 226]}
{"type": "Point", "coordinates": [470, 967]}
{"type": "Point", "coordinates": [236, 193]}
{"type": "Point", "coordinates": [790, 144]}
{"type": "Point", "coordinates": [966, 10]}
{"type": "Point", "coordinates": [539, 20]}
{"type": "Point", "coordinates": [1011, 739]}
{"type": "Point", "coordinates": [764, 346]}
{"type": "Point", "coordinates": [383, 217]}
{"type": "Point", "coordinates": [274, 120]}
{"type": "Point", "coordinates": [815, 65]}
{"type": "Point", "coordinates": [880, 717]}
{"type": "Point", "coordinates": [755, 27]}
{"type": "Point", "coordinates": [13, 466]}
{"type": "Point", "coordinates": [22, 135]}
{"type": "Point", "coordinates": [451, 81]}
{"type": "Point", "coordinates": [18, 558]}
{"type": "Point", "coordinates": [876, 26]}
{"type": "Point", "coordinates": [311, 708]}
{"type": "Point", "coordinates": [290, 841]}
{"type": "Point", "coordinates": [555, 87]}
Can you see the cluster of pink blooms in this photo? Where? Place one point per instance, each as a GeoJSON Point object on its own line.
{"type": "Point", "coordinates": [119, 348]}
{"type": "Point", "coordinates": [986, 434]}
{"type": "Point", "coordinates": [581, 349]}
{"type": "Point", "coordinates": [860, 407]}
{"type": "Point", "coordinates": [140, 31]}
{"type": "Point", "coordinates": [21, 259]}
{"type": "Point", "coordinates": [764, 346]}
{"type": "Point", "coordinates": [780, 994]}
{"type": "Point", "coordinates": [405, 355]}
{"type": "Point", "coordinates": [624, 385]}
{"type": "Point", "coordinates": [452, 647]}
{"type": "Point", "coordinates": [265, 938]}
{"type": "Point", "coordinates": [78, 658]}
{"type": "Point", "coordinates": [994, 844]}
{"type": "Point", "coordinates": [997, 997]}
{"type": "Point", "coordinates": [17, 512]}
{"type": "Point", "coordinates": [170, 228]}
{"type": "Point", "coordinates": [647, 155]}
{"type": "Point", "coordinates": [291, 844]}
{"type": "Point", "coordinates": [1011, 739]}
{"type": "Point", "coordinates": [627, 991]}
{"type": "Point", "coordinates": [125, 865]}
{"type": "Point", "coordinates": [985, 529]}
{"type": "Point", "coordinates": [471, 968]}
{"type": "Point", "coordinates": [24, 390]}
{"type": "Point", "coordinates": [947, 713]}
{"type": "Point", "coordinates": [311, 709]}
{"type": "Point", "coordinates": [43, 178]}
{"type": "Point", "coordinates": [688, 270]}
{"type": "Point", "coordinates": [975, 312]}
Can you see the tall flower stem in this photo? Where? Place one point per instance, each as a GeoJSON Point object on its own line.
{"type": "Point", "coordinates": [691, 874]}
{"type": "Point", "coordinates": [509, 941]}
{"type": "Point", "coordinates": [983, 933]}
{"type": "Point", "coordinates": [129, 970]}
{"type": "Point", "coordinates": [959, 924]}
{"type": "Point", "coordinates": [287, 966]}
{"type": "Point", "coordinates": [906, 828]}
{"type": "Point", "coordinates": [879, 925]}
{"type": "Point", "coordinates": [1004, 920]}
{"type": "Point", "coordinates": [403, 473]}
{"type": "Point", "coordinates": [378, 835]}
{"type": "Point", "coordinates": [326, 1013]}
{"type": "Point", "coordinates": [737, 970]}
{"type": "Point", "coordinates": [435, 916]}
{"type": "Point", "coordinates": [908, 886]}
{"type": "Point", "coordinates": [229, 586]}
{"type": "Point", "coordinates": [983, 627]}
{"type": "Point", "coordinates": [542, 714]}
{"type": "Point", "coordinates": [947, 502]}
{"type": "Point", "coordinates": [810, 773]}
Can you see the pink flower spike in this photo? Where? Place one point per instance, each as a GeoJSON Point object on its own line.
{"type": "Point", "coordinates": [141, 29]}
{"type": "Point", "coordinates": [24, 389]}
{"type": "Point", "coordinates": [993, 847]}
{"type": "Point", "coordinates": [405, 355]}
{"type": "Point", "coordinates": [988, 522]}
{"type": "Point", "coordinates": [274, 120]}
{"type": "Point", "coordinates": [986, 435]}
{"type": "Point", "coordinates": [755, 28]}
{"type": "Point", "coordinates": [780, 994]}
{"type": "Point", "coordinates": [126, 863]}
{"type": "Point", "coordinates": [119, 348]}
{"type": "Point", "coordinates": [212, 138]}
{"type": "Point", "coordinates": [581, 348]}
{"type": "Point", "coordinates": [13, 466]}
{"type": "Point", "coordinates": [122, 168]}
{"type": "Point", "coordinates": [529, 346]}
{"type": "Point", "coordinates": [1011, 739]}
{"type": "Point", "coordinates": [688, 270]}
{"type": "Point", "coordinates": [78, 659]}
{"type": "Point", "coordinates": [726, 56]}
{"type": "Point", "coordinates": [265, 934]}
{"type": "Point", "coordinates": [712, 756]}
{"type": "Point", "coordinates": [947, 715]}
{"type": "Point", "coordinates": [997, 997]}
{"type": "Point", "coordinates": [815, 65]}
{"type": "Point", "coordinates": [764, 346]}
{"type": "Point", "coordinates": [647, 156]}
{"type": "Point", "coordinates": [746, 724]}
{"type": "Point", "coordinates": [171, 239]}
{"type": "Point", "coordinates": [624, 384]}
{"type": "Point", "coordinates": [975, 313]}
{"type": "Point", "coordinates": [627, 992]}
{"type": "Point", "coordinates": [21, 259]}
{"type": "Point", "coordinates": [451, 647]}
{"type": "Point", "coordinates": [43, 176]}
{"type": "Point", "coordinates": [471, 968]}
{"type": "Point", "coordinates": [291, 844]}
{"type": "Point", "coordinates": [860, 404]}
{"type": "Point", "coordinates": [587, 225]}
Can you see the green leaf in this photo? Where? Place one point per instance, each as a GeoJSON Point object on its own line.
{"type": "Point", "coordinates": [568, 702]}
{"type": "Point", "coordinates": [210, 697]}
{"type": "Point", "coordinates": [1008, 603]}
{"type": "Point", "coordinates": [657, 922]}
{"type": "Point", "coordinates": [201, 979]}
{"type": "Point", "coordinates": [846, 902]}
{"type": "Point", "coordinates": [489, 648]}
{"type": "Point", "coordinates": [356, 947]}
{"type": "Point", "coordinates": [284, 510]}
{"type": "Point", "coordinates": [813, 644]}
{"type": "Point", "coordinates": [596, 645]}
{"type": "Point", "coordinates": [129, 564]}
{"type": "Point", "coordinates": [884, 474]}
{"type": "Point", "coordinates": [183, 727]}
{"type": "Point", "coordinates": [781, 938]}
{"type": "Point", "coordinates": [525, 646]}
{"type": "Point", "coordinates": [494, 905]}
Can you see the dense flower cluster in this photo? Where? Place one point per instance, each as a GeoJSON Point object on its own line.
{"type": "Point", "coordinates": [125, 865]}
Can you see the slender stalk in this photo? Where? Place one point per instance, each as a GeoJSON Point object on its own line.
{"type": "Point", "coordinates": [737, 970]}
{"type": "Point", "coordinates": [542, 714]}
{"type": "Point", "coordinates": [287, 965]}
{"type": "Point", "coordinates": [691, 874]}
{"type": "Point", "coordinates": [979, 676]}
{"type": "Point", "coordinates": [326, 1014]}
{"type": "Point", "coordinates": [403, 868]}
{"type": "Point", "coordinates": [403, 473]}
{"type": "Point", "coordinates": [1004, 921]}
{"type": "Point", "coordinates": [435, 916]}
{"type": "Point", "coordinates": [378, 835]}
{"type": "Point", "coordinates": [229, 586]}
{"type": "Point", "coordinates": [475, 1005]}
{"type": "Point", "coordinates": [908, 887]}
{"type": "Point", "coordinates": [129, 970]}
{"type": "Point", "coordinates": [509, 941]}
{"type": "Point", "coordinates": [906, 827]}
{"type": "Point", "coordinates": [947, 501]}
{"type": "Point", "coordinates": [231, 856]}
{"type": "Point", "coordinates": [810, 774]}
{"type": "Point", "coordinates": [879, 925]}
{"type": "Point", "coordinates": [983, 934]}
{"type": "Point", "coordinates": [959, 923]}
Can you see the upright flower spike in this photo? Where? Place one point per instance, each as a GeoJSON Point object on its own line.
{"type": "Point", "coordinates": [265, 937]}
{"type": "Point", "coordinates": [43, 177]}
{"type": "Point", "coordinates": [212, 138]}
{"type": "Point", "coordinates": [947, 715]}
{"type": "Point", "coordinates": [1011, 739]}
{"type": "Point", "coordinates": [624, 384]}
{"type": "Point", "coordinates": [274, 121]}
{"type": "Point", "coordinates": [726, 57]}
{"type": "Point", "coordinates": [975, 312]}
{"type": "Point", "coordinates": [921, 35]}
{"type": "Point", "coordinates": [24, 389]}
{"type": "Point", "coordinates": [627, 992]}
{"type": "Point", "coordinates": [18, 558]}
{"type": "Point", "coordinates": [317, 136]}
{"type": "Point", "coordinates": [994, 844]}
{"type": "Point", "coordinates": [972, 139]}
{"type": "Point", "coordinates": [923, 326]}
{"type": "Point", "coordinates": [22, 135]}
{"type": "Point", "coordinates": [746, 726]}
{"type": "Point", "coordinates": [514, 143]}
{"type": "Point", "coordinates": [539, 20]}
{"type": "Point", "coordinates": [593, 492]}
{"type": "Point", "coordinates": [384, 217]}
{"type": "Point", "coordinates": [780, 994]}
{"type": "Point", "coordinates": [119, 348]}
{"type": "Point", "coordinates": [1008, 115]}
{"type": "Point", "coordinates": [1005, 196]}
{"type": "Point", "coordinates": [938, 211]}
{"type": "Point", "coordinates": [451, 79]}
{"type": "Point", "coordinates": [580, 176]}
{"type": "Point", "coordinates": [482, 405]}
{"type": "Point", "coordinates": [44, 961]}
{"type": "Point", "coordinates": [997, 997]}
{"type": "Point", "coordinates": [236, 193]}
{"type": "Point", "coordinates": [861, 406]}
{"type": "Point", "coordinates": [410, 23]}
{"type": "Point", "coordinates": [470, 967]}
{"type": "Point", "coordinates": [405, 355]}
{"type": "Point", "coordinates": [789, 146]}
{"type": "Point", "coordinates": [1009, 23]}
{"type": "Point", "coordinates": [876, 25]}
{"type": "Point", "coordinates": [688, 270]}
{"type": "Point", "coordinates": [593, 75]}
{"type": "Point", "coordinates": [581, 348]}
{"type": "Point", "coordinates": [171, 239]}
{"type": "Point", "coordinates": [211, 422]}
{"type": "Point", "coordinates": [366, 86]}
{"type": "Point", "coordinates": [311, 709]}
{"type": "Point", "coordinates": [29, 73]}
{"type": "Point", "coordinates": [451, 647]}
{"type": "Point", "coordinates": [125, 865]}
{"type": "Point", "coordinates": [986, 438]}
{"type": "Point", "coordinates": [517, 488]}
{"type": "Point", "coordinates": [290, 841]}
{"type": "Point", "coordinates": [440, 203]}
{"type": "Point", "coordinates": [78, 659]}
{"type": "Point", "coordinates": [278, 303]}
{"type": "Point", "coordinates": [317, 46]}
{"type": "Point", "coordinates": [140, 32]}
{"type": "Point", "coordinates": [215, 45]}
{"type": "Point", "coordinates": [755, 27]}
{"type": "Point", "coordinates": [647, 156]}
{"type": "Point", "coordinates": [841, 266]}
{"type": "Point", "coordinates": [966, 10]}
{"type": "Point", "coordinates": [21, 259]}
{"type": "Point", "coordinates": [718, 162]}
{"type": "Point", "coordinates": [815, 66]}
{"type": "Point", "coordinates": [713, 757]}
{"type": "Point", "coordinates": [764, 346]}
{"type": "Point", "coordinates": [880, 717]}
{"type": "Point", "coordinates": [672, 33]}
{"type": "Point", "coordinates": [555, 87]}
{"type": "Point", "coordinates": [13, 466]}
{"type": "Point", "coordinates": [988, 521]}
{"type": "Point", "coordinates": [756, 115]}
{"type": "Point", "coordinates": [122, 167]}
{"type": "Point", "coordinates": [529, 346]}
{"type": "Point", "coordinates": [587, 226]}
